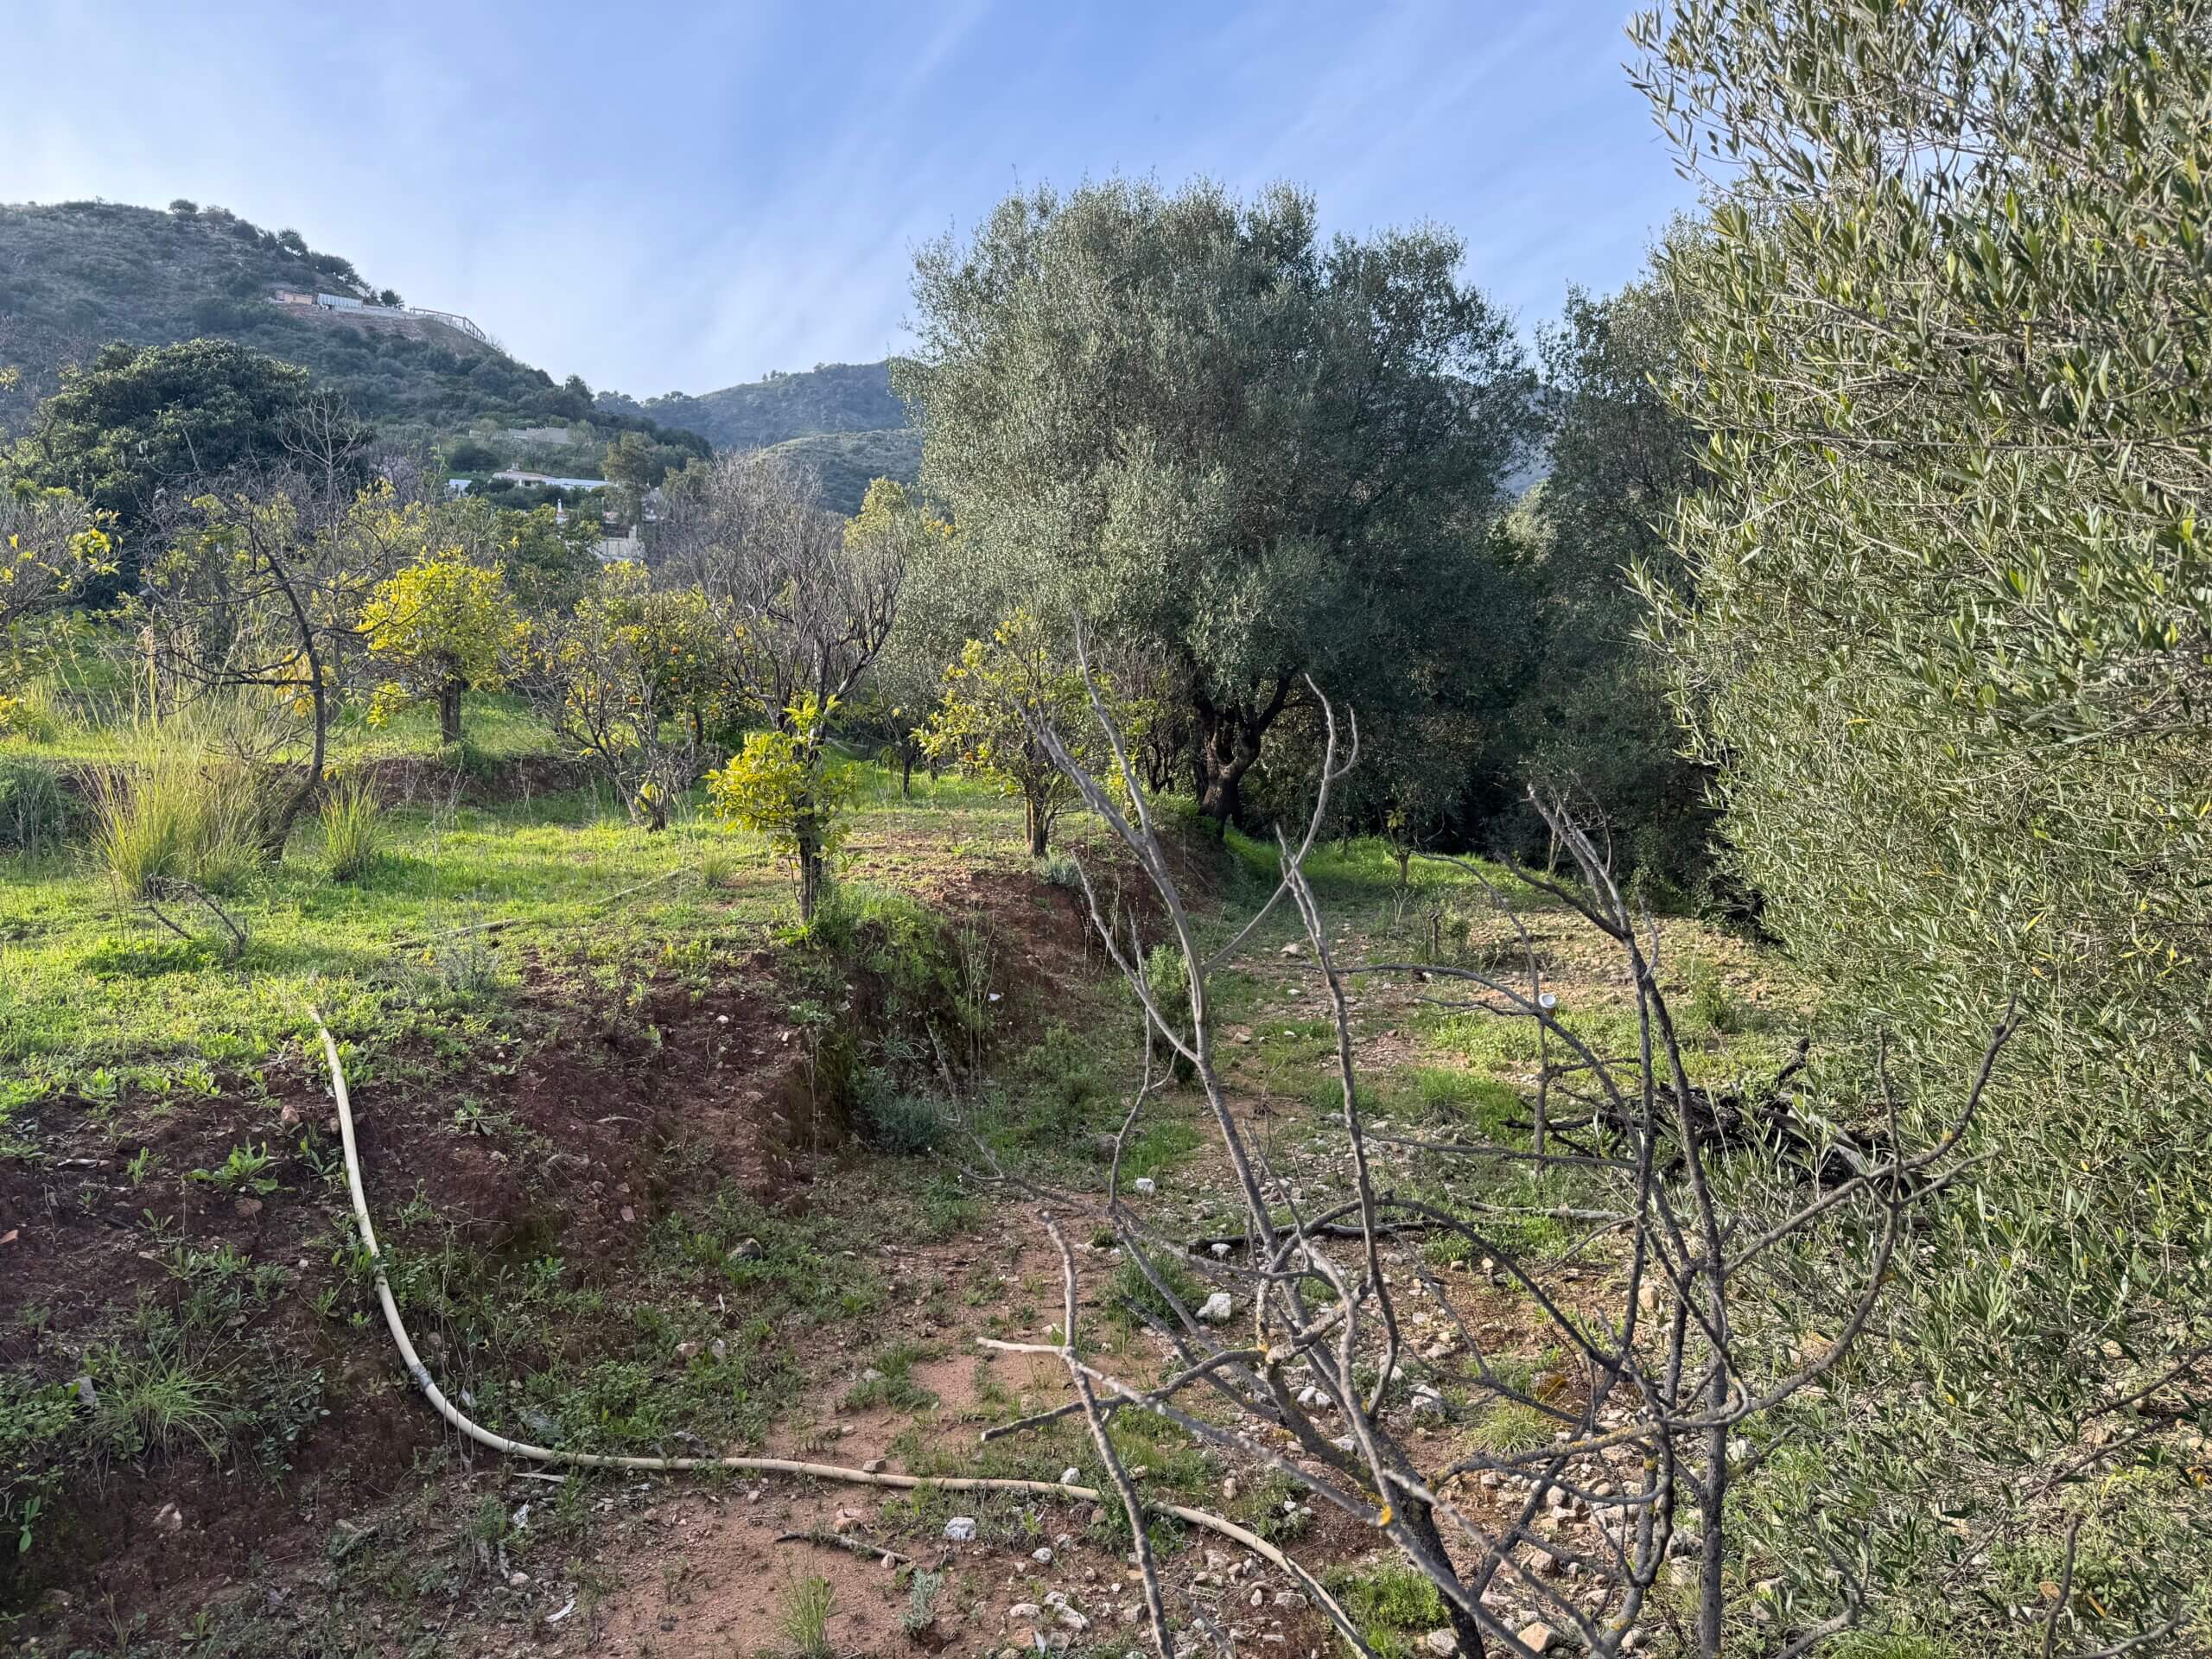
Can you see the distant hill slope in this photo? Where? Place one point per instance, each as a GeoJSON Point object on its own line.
{"type": "Point", "coordinates": [848, 462]}
{"type": "Point", "coordinates": [842, 419]}
{"type": "Point", "coordinates": [829, 397]}
{"type": "Point", "coordinates": [75, 276]}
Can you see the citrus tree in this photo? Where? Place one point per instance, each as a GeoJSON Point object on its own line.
{"type": "Point", "coordinates": [1000, 697]}
{"type": "Point", "coordinates": [436, 628]}
{"type": "Point", "coordinates": [787, 785]}
{"type": "Point", "coordinates": [51, 543]}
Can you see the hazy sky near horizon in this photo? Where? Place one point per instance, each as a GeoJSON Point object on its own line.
{"type": "Point", "coordinates": [678, 196]}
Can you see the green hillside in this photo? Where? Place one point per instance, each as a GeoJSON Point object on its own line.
{"type": "Point", "coordinates": [829, 398]}
{"type": "Point", "coordinates": [842, 419]}
{"type": "Point", "coordinates": [75, 276]}
{"type": "Point", "coordinates": [848, 462]}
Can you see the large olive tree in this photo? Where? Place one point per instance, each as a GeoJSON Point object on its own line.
{"type": "Point", "coordinates": [1216, 432]}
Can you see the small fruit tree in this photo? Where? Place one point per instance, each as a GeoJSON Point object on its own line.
{"type": "Point", "coordinates": [436, 628]}
{"type": "Point", "coordinates": [787, 785]}
{"type": "Point", "coordinates": [1000, 697]}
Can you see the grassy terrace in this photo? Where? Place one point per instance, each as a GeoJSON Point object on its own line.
{"type": "Point", "coordinates": [592, 1233]}
{"type": "Point", "coordinates": [91, 984]}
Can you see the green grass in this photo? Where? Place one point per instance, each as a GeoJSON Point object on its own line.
{"type": "Point", "coordinates": [892, 1383]}
{"type": "Point", "coordinates": [1510, 1427]}
{"type": "Point", "coordinates": [806, 1618]}
{"type": "Point", "coordinates": [1159, 1146]}
{"type": "Point", "coordinates": [1392, 1603]}
{"type": "Point", "coordinates": [496, 727]}
{"type": "Point", "coordinates": [352, 825]}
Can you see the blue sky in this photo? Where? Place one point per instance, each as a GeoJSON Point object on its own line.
{"type": "Point", "coordinates": [681, 195]}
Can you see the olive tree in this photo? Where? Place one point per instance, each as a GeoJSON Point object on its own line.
{"type": "Point", "coordinates": [1945, 637]}
{"type": "Point", "coordinates": [1212, 431]}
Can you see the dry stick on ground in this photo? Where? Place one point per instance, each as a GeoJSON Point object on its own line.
{"type": "Point", "coordinates": [1675, 1389]}
{"type": "Point", "coordinates": [1142, 1546]}
{"type": "Point", "coordinates": [845, 1541]}
{"type": "Point", "coordinates": [167, 885]}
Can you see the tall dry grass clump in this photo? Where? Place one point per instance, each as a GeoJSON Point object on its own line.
{"type": "Point", "coordinates": [174, 812]}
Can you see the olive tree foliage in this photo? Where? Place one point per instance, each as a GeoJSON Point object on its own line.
{"type": "Point", "coordinates": [1588, 714]}
{"type": "Point", "coordinates": [1215, 434]}
{"type": "Point", "coordinates": [1945, 634]}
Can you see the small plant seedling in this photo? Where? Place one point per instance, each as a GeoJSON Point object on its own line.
{"type": "Point", "coordinates": [243, 1171]}
{"type": "Point", "coordinates": [806, 1622]}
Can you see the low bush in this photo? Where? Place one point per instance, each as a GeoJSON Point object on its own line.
{"type": "Point", "coordinates": [176, 816]}
{"type": "Point", "coordinates": [901, 1121]}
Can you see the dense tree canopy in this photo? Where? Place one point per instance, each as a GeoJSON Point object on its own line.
{"type": "Point", "coordinates": [1585, 714]}
{"type": "Point", "coordinates": [1202, 425]}
{"type": "Point", "coordinates": [137, 425]}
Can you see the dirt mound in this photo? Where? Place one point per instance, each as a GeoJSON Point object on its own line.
{"type": "Point", "coordinates": [204, 1234]}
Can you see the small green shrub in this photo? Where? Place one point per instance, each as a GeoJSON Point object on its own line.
{"type": "Point", "coordinates": [1131, 1294]}
{"type": "Point", "coordinates": [903, 1120]}
{"type": "Point", "coordinates": [244, 1169]}
{"type": "Point", "coordinates": [353, 828]}
{"type": "Point", "coordinates": [1388, 1601]}
{"type": "Point", "coordinates": [159, 1401]}
{"type": "Point", "coordinates": [921, 1592]}
{"type": "Point", "coordinates": [1511, 1426]}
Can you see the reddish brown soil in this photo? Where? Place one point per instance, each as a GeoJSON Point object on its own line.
{"type": "Point", "coordinates": [79, 1250]}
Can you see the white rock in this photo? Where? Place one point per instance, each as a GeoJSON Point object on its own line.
{"type": "Point", "coordinates": [1440, 1642]}
{"type": "Point", "coordinates": [960, 1530]}
{"type": "Point", "coordinates": [1217, 1307]}
{"type": "Point", "coordinates": [1041, 1555]}
{"type": "Point", "coordinates": [1144, 1187]}
{"type": "Point", "coordinates": [1023, 1611]}
{"type": "Point", "coordinates": [1070, 1477]}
